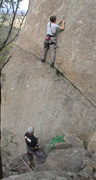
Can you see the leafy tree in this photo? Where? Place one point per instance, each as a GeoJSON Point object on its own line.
{"type": "Point", "coordinates": [6, 17]}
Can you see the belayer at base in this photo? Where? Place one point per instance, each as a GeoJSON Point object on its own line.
{"type": "Point", "coordinates": [50, 39]}
{"type": "Point", "coordinates": [32, 147]}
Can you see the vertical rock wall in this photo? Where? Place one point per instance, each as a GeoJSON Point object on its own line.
{"type": "Point", "coordinates": [76, 46]}
{"type": "Point", "coordinates": [33, 94]}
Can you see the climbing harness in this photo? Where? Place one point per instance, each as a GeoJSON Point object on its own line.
{"type": "Point", "coordinates": [51, 31]}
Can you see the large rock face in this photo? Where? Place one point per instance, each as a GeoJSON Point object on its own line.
{"type": "Point", "coordinates": [76, 52]}
{"type": "Point", "coordinates": [34, 95]}
{"type": "Point", "coordinates": [64, 162]}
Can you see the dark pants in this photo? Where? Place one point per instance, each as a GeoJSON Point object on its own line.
{"type": "Point", "coordinates": [52, 45]}
{"type": "Point", "coordinates": [39, 154]}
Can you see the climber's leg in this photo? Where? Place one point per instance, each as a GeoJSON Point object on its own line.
{"type": "Point", "coordinates": [45, 49]}
{"type": "Point", "coordinates": [52, 49]}
{"type": "Point", "coordinates": [41, 156]}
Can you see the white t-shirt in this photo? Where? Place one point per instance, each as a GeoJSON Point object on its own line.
{"type": "Point", "coordinates": [52, 31]}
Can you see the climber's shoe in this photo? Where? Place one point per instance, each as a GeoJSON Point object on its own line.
{"type": "Point", "coordinates": [42, 60]}
{"type": "Point", "coordinates": [52, 65]}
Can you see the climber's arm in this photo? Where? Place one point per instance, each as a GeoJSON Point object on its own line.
{"type": "Point", "coordinates": [60, 21]}
{"type": "Point", "coordinates": [62, 27]}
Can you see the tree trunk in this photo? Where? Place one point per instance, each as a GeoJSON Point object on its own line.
{"type": "Point", "coordinates": [1, 175]}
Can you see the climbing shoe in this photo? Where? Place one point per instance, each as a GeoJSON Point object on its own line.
{"type": "Point", "coordinates": [42, 60]}
{"type": "Point", "coordinates": [32, 164]}
{"type": "Point", "coordinates": [52, 65]}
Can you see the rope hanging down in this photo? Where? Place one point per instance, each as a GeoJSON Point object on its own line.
{"type": "Point", "coordinates": [46, 107]}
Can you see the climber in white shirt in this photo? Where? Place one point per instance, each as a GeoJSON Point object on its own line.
{"type": "Point", "coordinates": [50, 40]}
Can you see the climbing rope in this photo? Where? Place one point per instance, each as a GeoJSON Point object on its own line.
{"type": "Point", "coordinates": [46, 107]}
{"type": "Point", "coordinates": [56, 139]}
{"type": "Point", "coordinates": [47, 103]}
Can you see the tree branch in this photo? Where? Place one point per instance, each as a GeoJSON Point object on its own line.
{"type": "Point", "coordinates": [4, 17]}
{"type": "Point", "coordinates": [11, 27]}
{"type": "Point", "coordinates": [1, 3]}
{"type": "Point", "coordinates": [16, 33]}
{"type": "Point", "coordinates": [12, 4]}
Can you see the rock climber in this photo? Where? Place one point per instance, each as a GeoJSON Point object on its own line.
{"type": "Point", "coordinates": [50, 39]}
{"type": "Point", "coordinates": [32, 147]}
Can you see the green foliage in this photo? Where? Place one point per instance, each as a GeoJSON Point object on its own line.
{"type": "Point", "coordinates": [4, 54]}
{"type": "Point", "coordinates": [9, 9]}
{"type": "Point", "coordinates": [56, 139]}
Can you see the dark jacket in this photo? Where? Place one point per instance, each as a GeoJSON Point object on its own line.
{"type": "Point", "coordinates": [31, 141]}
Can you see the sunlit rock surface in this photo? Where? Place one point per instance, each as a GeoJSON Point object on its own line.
{"type": "Point", "coordinates": [34, 95]}
{"type": "Point", "coordinates": [76, 45]}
